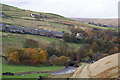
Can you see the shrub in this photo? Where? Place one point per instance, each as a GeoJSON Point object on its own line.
{"type": "Point", "coordinates": [29, 43]}
{"type": "Point", "coordinates": [62, 60]}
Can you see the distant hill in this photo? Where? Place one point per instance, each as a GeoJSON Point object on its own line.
{"type": "Point", "coordinates": [52, 22]}
{"type": "Point", "coordinates": [112, 22]}
{"type": "Point", "coordinates": [21, 17]}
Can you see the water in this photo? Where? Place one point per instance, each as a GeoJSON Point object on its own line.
{"type": "Point", "coordinates": [68, 70]}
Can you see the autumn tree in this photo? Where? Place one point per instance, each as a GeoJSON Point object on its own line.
{"type": "Point", "coordinates": [10, 50]}
{"type": "Point", "coordinates": [32, 54]}
{"type": "Point", "coordinates": [115, 39]}
{"type": "Point", "coordinates": [114, 49]}
{"type": "Point", "coordinates": [89, 32]}
{"type": "Point", "coordinates": [43, 56]}
{"type": "Point", "coordinates": [82, 52]}
{"type": "Point", "coordinates": [62, 60]}
{"type": "Point", "coordinates": [13, 57]}
{"type": "Point", "coordinates": [95, 47]}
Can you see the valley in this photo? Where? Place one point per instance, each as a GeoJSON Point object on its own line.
{"type": "Point", "coordinates": [47, 45]}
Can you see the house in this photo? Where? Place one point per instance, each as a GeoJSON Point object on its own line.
{"type": "Point", "coordinates": [79, 36]}
{"type": "Point", "coordinates": [38, 16]}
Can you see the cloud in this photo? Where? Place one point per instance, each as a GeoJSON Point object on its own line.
{"type": "Point", "coordinates": [71, 8]}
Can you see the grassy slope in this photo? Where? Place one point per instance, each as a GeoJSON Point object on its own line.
{"type": "Point", "coordinates": [102, 27]}
{"type": "Point", "coordinates": [17, 40]}
{"type": "Point", "coordinates": [20, 17]}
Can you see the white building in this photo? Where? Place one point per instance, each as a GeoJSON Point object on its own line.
{"type": "Point", "coordinates": [79, 36]}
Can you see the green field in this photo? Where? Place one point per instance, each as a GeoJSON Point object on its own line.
{"type": "Point", "coordinates": [94, 26]}
{"type": "Point", "coordinates": [17, 40]}
{"type": "Point", "coordinates": [18, 69]}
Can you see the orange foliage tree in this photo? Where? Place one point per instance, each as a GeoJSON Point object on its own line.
{"type": "Point", "coordinates": [27, 56]}
{"type": "Point", "coordinates": [13, 57]}
{"type": "Point", "coordinates": [43, 56]}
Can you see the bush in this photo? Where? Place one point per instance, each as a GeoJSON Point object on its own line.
{"type": "Point", "coordinates": [62, 60]}
{"type": "Point", "coordinates": [29, 43]}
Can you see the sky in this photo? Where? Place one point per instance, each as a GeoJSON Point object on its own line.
{"type": "Point", "coordinates": [70, 8]}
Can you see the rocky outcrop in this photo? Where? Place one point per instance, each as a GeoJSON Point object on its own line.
{"type": "Point", "coordinates": [107, 67]}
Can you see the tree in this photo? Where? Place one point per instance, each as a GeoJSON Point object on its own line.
{"type": "Point", "coordinates": [72, 54]}
{"type": "Point", "coordinates": [52, 49]}
{"type": "Point", "coordinates": [89, 32]}
{"type": "Point", "coordinates": [115, 39]}
{"type": "Point", "coordinates": [66, 37]}
{"type": "Point", "coordinates": [32, 54]}
{"type": "Point", "coordinates": [29, 43]}
{"type": "Point", "coordinates": [114, 49]}
{"type": "Point", "coordinates": [13, 57]}
{"type": "Point", "coordinates": [11, 50]}
{"type": "Point", "coordinates": [43, 56]}
{"type": "Point", "coordinates": [82, 52]}
{"type": "Point", "coordinates": [90, 53]}
{"type": "Point", "coordinates": [62, 60]}
{"type": "Point", "coordinates": [95, 47]}
{"type": "Point", "coordinates": [63, 48]}
{"type": "Point", "coordinates": [73, 38]}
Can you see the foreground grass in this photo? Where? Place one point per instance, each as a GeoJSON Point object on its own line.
{"type": "Point", "coordinates": [18, 69]}
{"type": "Point", "coordinates": [34, 75]}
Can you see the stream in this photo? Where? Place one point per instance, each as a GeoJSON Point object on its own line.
{"type": "Point", "coordinates": [68, 70]}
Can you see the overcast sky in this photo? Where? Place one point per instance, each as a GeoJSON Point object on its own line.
{"type": "Point", "coordinates": [70, 8]}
